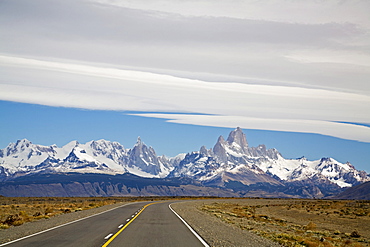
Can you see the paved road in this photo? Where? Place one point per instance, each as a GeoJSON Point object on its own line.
{"type": "Point", "coordinates": [157, 225]}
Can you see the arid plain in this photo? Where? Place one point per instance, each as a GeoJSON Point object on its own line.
{"type": "Point", "coordinates": [288, 222]}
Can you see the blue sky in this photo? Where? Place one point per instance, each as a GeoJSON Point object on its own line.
{"type": "Point", "coordinates": [181, 73]}
{"type": "Point", "coordinates": [58, 125]}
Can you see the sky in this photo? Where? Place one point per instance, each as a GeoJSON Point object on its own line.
{"type": "Point", "coordinates": [294, 75]}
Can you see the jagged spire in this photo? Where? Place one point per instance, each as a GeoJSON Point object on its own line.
{"type": "Point", "coordinates": [203, 150]}
{"type": "Point", "coordinates": [221, 139]}
{"type": "Point", "coordinates": [139, 142]}
{"type": "Point", "coordinates": [219, 149]}
{"type": "Point", "coordinates": [238, 137]}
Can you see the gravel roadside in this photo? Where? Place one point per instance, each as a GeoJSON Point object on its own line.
{"type": "Point", "coordinates": [214, 231]}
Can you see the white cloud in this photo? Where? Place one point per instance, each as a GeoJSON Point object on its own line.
{"type": "Point", "coordinates": [353, 11]}
{"type": "Point", "coordinates": [248, 64]}
{"type": "Point", "coordinates": [340, 130]}
{"type": "Point", "coordinates": [330, 56]}
{"type": "Point", "coordinates": [215, 41]}
{"type": "Point", "coordinates": [235, 104]}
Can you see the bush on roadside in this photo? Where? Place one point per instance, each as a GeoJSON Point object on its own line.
{"type": "Point", "coordinates": [310, 226]}
{"type": "Point", "coordinates": [14, 220]}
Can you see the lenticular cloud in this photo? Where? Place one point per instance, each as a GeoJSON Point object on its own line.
{"type": "Point", "coordinates": [221, 104]}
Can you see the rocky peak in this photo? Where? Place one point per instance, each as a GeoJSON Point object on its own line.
{"type": "Point", "coordinates": [221, 140]}
{"type": "Point", "coordinates": [262, 151]}
{"type": "Point", "coordinates": [219, 149]}
{"type": "Point", "coordinates": [326, 159]}
{"type": "Point", "coordinates": [112, 150]}
{"type": "Point", "coordinates": [235, 145]}
{"type": "Point", "coordinates": [100, 143]}
{"type": "Point", "coordinates": [144, 157]}
{"type": "Point", "coordinates": [350, 165]}
{"type": "Point", "coordinates": [23, 143]}
{"type": "Point", "coordinates": [259, 151]}
{"type": "Point", "coordinates": [17, 147]}
{"type": "Point", "coordinates": [103, 144]}
{"type": "Point", "coordinates": [139, 142]}
{"type": "Point", "coordinates": [140, 148]}
{"type": "Point", "coordinates": [237, 136]}
{"type": "Point", "coordinates": [205, 152]}
{"type": "Point", "coordinates": [25, 147]}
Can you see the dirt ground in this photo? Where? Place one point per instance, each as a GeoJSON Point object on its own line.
{"type": "Point", "coordinates": [295, 222]}
{"type": "Point", "coordinates": [15, 211]}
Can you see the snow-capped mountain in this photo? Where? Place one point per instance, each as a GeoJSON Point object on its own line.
{"type": "Point", "coordinates": [143, 160]}
{"type": "Point", "coordinates": [24, 157]}
{"type": "Point", "coordinates": [231, 162]}
{"type": "Point", "coordinates": [234, 160]}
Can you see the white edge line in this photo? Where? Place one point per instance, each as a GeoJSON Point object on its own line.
{"type": "Point", "coordinates": [55, 227]}
{"type": "Point", "coordinates": [191, 229]}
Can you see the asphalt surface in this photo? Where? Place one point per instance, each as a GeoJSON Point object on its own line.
{"type": "Point", "coordinates": [156, 225]}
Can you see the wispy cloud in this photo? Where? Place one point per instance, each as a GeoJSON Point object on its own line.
{"type": "Point", "coordinates": [352, 11]}
{"type": "Point", "coordinates": [246, 64]}
{"type": "Point", "coordinates": [340, 130]}
{"type": "Point", "coordinates": [230, 104]}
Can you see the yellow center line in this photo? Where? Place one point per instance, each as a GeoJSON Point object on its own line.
{"type": "Point", "coordinates": [123, 228]}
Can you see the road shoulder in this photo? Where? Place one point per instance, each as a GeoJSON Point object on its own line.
{"type": "Point", "coordinates": [214, 231]}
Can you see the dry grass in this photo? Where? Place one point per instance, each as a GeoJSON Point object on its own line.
{"type": "Point", "coordinates": [313, 223]}
{"type": "Point", "coordinates": [15, 211]}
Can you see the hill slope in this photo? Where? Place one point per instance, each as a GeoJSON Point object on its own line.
{"type": "Point", "coordinates": [358, 192]}
{"type": "Point", "coordinates": [88, 185]}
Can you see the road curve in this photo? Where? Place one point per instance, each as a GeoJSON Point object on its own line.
{"type": "Point", "coordinates": [157, 225]}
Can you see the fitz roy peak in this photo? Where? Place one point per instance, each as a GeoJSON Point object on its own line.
{"type": "Point", "coordinates": [231, 164]}
{"type": "Point", "coordinates": [230, 160]}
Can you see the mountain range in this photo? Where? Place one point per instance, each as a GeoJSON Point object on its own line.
{"type": "Point", "coordinates": [231, 166]}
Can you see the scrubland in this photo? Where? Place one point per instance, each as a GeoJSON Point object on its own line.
{"type": "Point", "coordinates": [289, 222]}
{"type": "Point", "coordinates": [15, 211]}
{"type": "Point", "coordinates": [294, 222]}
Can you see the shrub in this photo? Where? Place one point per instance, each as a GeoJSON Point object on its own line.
{"type": "Point", "coordinates": [355, 234]}
{"type": "Point", "coordinates": [24, 216]}
{"type": "Point", "coordinates": [4, 226]}
{"type": "Point", "coordinates": [37, 214]}
{"type": "Point", "coordinates": [310, 226]}
{"type": "Point", "coordinates": [14, 219]}
{"type": "Point", "coordinates": [347, 242]}
{"type": "Point", "coordinates": [48, 210]}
